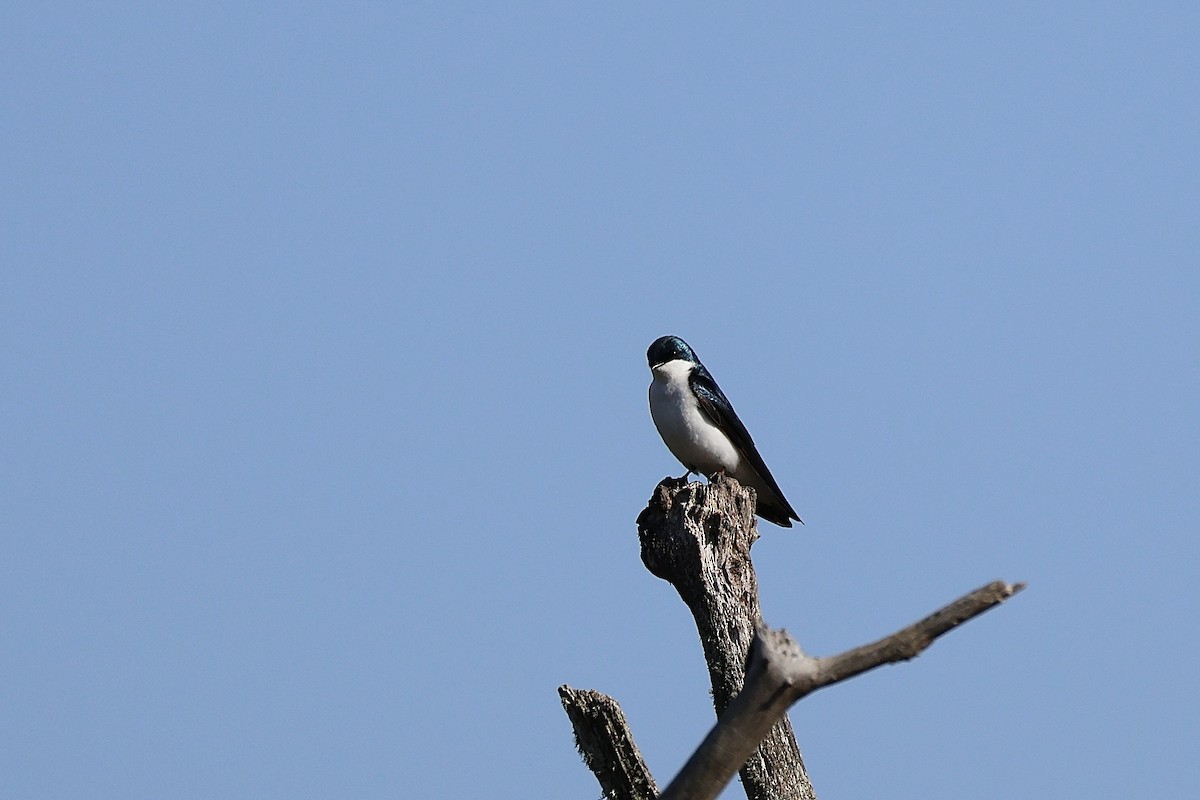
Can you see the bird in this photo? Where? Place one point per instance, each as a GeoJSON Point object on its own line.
{"type": "Point", "coordinates": [700, 428]}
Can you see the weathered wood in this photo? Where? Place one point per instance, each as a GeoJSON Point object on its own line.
{"type": "Point", "coordinates": [697, 537]}
{"type": "Point", "coordinates": [780, 673]}
{"type": "Point", "coordinates": [603, 738]}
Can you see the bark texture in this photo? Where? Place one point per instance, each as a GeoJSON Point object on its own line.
{"type": "Point", "coordinates": [697, 537]}
{"type": "Point", "coordinates": [779, 674]}
{"type": "Point", "coordinates": [603, 738]}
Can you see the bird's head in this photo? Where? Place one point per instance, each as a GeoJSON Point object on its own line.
{"type": "Point", "coordinates": [670, 348]}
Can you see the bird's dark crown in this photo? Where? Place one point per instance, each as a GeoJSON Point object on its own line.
{"type": "Point", "coordinates": [670, 348]}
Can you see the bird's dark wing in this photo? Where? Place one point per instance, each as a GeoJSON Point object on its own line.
{"type": "Point", "coordinates": [719, 410]}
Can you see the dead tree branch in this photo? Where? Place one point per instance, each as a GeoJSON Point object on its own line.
{"type": "Point", "coordinates": [697, 537]}
{"type": "Point", "coordinates": [604, 740]}
{"type": "Point", "coordinates": [780, 673]}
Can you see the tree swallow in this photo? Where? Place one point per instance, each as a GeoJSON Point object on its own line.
{"type": "Point", "coordinates": [700, 427]}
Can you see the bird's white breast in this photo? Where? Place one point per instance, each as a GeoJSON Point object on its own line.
{"type": "Point", "coordinates": [692, 438]}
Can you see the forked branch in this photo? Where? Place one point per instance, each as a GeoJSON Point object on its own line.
{"type": "Point", "coordinates": [698, 537]}
{"type": "Point", "coordinates": [779, 673]}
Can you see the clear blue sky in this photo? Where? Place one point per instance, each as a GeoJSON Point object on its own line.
{"type": "Point", "coordinates": [324, 406]}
